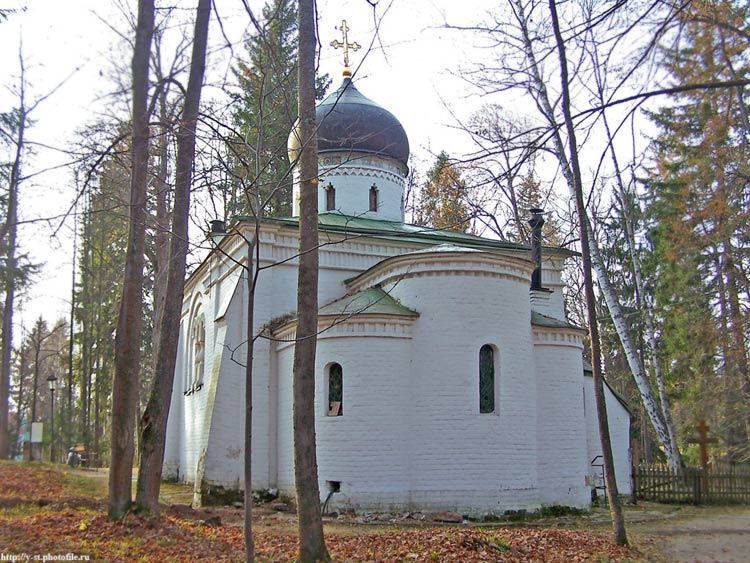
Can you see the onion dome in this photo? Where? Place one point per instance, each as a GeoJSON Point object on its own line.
{"type": "Point", "coordinates": [349, 121]}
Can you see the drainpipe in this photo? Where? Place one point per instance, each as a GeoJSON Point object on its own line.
{"type": "Point", "coordinates": [536, 223]}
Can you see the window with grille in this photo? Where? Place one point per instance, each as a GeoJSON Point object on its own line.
{"type": "Point", "coordinates": [194, 373]}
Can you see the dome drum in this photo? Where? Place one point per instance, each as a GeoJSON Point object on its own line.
{"type": "Point", "coordinates": [361, 147]}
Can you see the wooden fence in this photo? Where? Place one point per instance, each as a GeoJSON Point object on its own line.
{"type": "Point", "coordinates": [721, 483]}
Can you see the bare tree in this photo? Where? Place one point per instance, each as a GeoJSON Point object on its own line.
{"type": "Point", "coordinates": [527, 41]}
{"type": "Point", "coordinates": [618, 520]}
{"type": "Point", "coordinates": [503, 166]}
{"type": "Point", "coordinates": [154, 420]}
{"type": "Point", "coordinates": [130, 318]}
{"type": "Point", "coordinates": [40, 353]}
{"type": "Point", "coordinates": [167, 111]}
{"type": "Point", "coordinates": [626, 196]}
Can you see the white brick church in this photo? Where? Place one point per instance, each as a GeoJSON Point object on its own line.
{"type": "Point", "coordinates": [447, 378]}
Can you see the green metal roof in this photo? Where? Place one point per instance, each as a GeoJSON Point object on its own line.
{"type": "Point", "coordinates": [543, 320]}
{"type": "Point", "coordinates": [370, 301]}
{"type": "Point", "coordinates": [337, 222]}
{"type": "Point", "coordinates": [445, 247]}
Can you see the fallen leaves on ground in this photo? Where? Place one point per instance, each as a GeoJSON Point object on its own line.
{"type": "Point", "coordinates": [69, 526]}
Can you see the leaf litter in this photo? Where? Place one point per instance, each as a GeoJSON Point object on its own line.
{"type": "Point", "coordinates": [40, 513]}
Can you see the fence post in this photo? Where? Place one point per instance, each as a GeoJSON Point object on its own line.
{"type": "Point", "coordinates": [697, 482]}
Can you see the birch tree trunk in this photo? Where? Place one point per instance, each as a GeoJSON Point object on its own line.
{"type": "Point", "coordinates": [648, 398]}
{"type": "Point", "coordinates": [153, 423]}
{"type": "Point", "coordinates": [618, 520]}
{"type": "Point", "coordinates": [312, 547]}
{"type": "Point", "coordinates": [675, 458]}
{"type": "Point", "coordinates": [646, 310]}
{"type": "Point", "coordinates": [128, 334]}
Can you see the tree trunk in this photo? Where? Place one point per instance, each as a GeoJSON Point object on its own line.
{"type": "Point", "coordinates": [153, 424]}
{"type": "Point", "coordinates": [129, 321]}
{"type": "Point", "coordinates": [95, 456]}
{"type": "Point", "coordinates": [618, 520]}
{"type": "Point", "coordinates": [99, 337]}
{"type": "Point", "coordinates": [738, 362]}
{"type": "Point", "coordinates": [729, 396]}
{"type": "Point", "coordinates": [248, 525]}
{"type": "Point", "coordinates": [648, 398]}
{"type": "Point", "coordinates": [312, 547]}
{"type": "Point", "coordinates": [68, 420]}
{"type": "Point", "coordinates": [161, 220]}
{"type": "Point", "coordinates": [88, 278]}
{"type": "Point", "coordinates": [675, 458]}
{"type": "Point", "coordinates": [10, 230]}
{"type": "Point", "coordinates": [19, 400]}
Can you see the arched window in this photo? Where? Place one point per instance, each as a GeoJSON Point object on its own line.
{"type": "Point", "coordinates": [486, 379]}
{"type": "Point", "coordinates": [197, 354]}
{"type": "Point", "coordinates": [374, 198]}
{"type": "Point", "coordinates": [330, 197]}
{"type": "Point", "coordinates": [335, 390]}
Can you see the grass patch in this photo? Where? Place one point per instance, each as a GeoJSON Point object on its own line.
{"type": "Point", "coordinates": [23, 509]}
{"type": "Point", "coordinates": [497, 541]}
{"type": "Point", "coordinates": [87, 482]}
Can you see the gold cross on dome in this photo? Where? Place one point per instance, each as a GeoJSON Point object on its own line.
{"type": "Point", "coordinates": [336, 44]}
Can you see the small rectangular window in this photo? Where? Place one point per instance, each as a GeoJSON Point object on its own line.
{"type": "Point", "coordinates": [486, 379]}
{"type": "Point", "coordinates": [374, 198]}
{"type": "Point", "coordinates": [335, 390]}
{"type": "Point", "coordinates": [330, 197]}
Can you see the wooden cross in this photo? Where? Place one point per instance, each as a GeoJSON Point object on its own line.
{"type": "Point", "coordinates": [702, 440]}
{"type": "Point", "coordinates": [336, 44]}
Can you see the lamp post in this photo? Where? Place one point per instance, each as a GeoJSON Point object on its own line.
{"type": "Point", "coordinates": [52, 383]}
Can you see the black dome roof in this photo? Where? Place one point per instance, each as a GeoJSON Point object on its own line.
{"type": "Point", "coordinates": [347, 120]}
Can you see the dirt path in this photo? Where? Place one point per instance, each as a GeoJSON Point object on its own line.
{"type": "Point", "coordinates": [704, 535]}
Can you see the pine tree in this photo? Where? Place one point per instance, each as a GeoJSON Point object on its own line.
{"type": "Point", "coordinates": [101, 259]}
{"type": "Point", "coordinates": [699, 214]}
{"type": "Point", "coordinates": [443, 200]}
{"type": "Point", "coordinates": [265, 112]}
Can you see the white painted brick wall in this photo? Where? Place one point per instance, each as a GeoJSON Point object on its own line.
{"type": "Point", "coordinates": [561, 424]}
{"type": "Point", "coordinates": [222, 432]}
{"type": "Point", "coordinates": [173, 442]}
{"type": "Point", "coordinates": [352, 174]}
{"type": "Point", "coordinates": [411, 434]}
{"type": "Point", "coordinates": [454, 447]}
{"type": "Point", "coordinates": [619, 425]}
{"type": "Point", "coordinates": [415, 402]}
{"type": "Point", "coordinates": [554, 303]}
